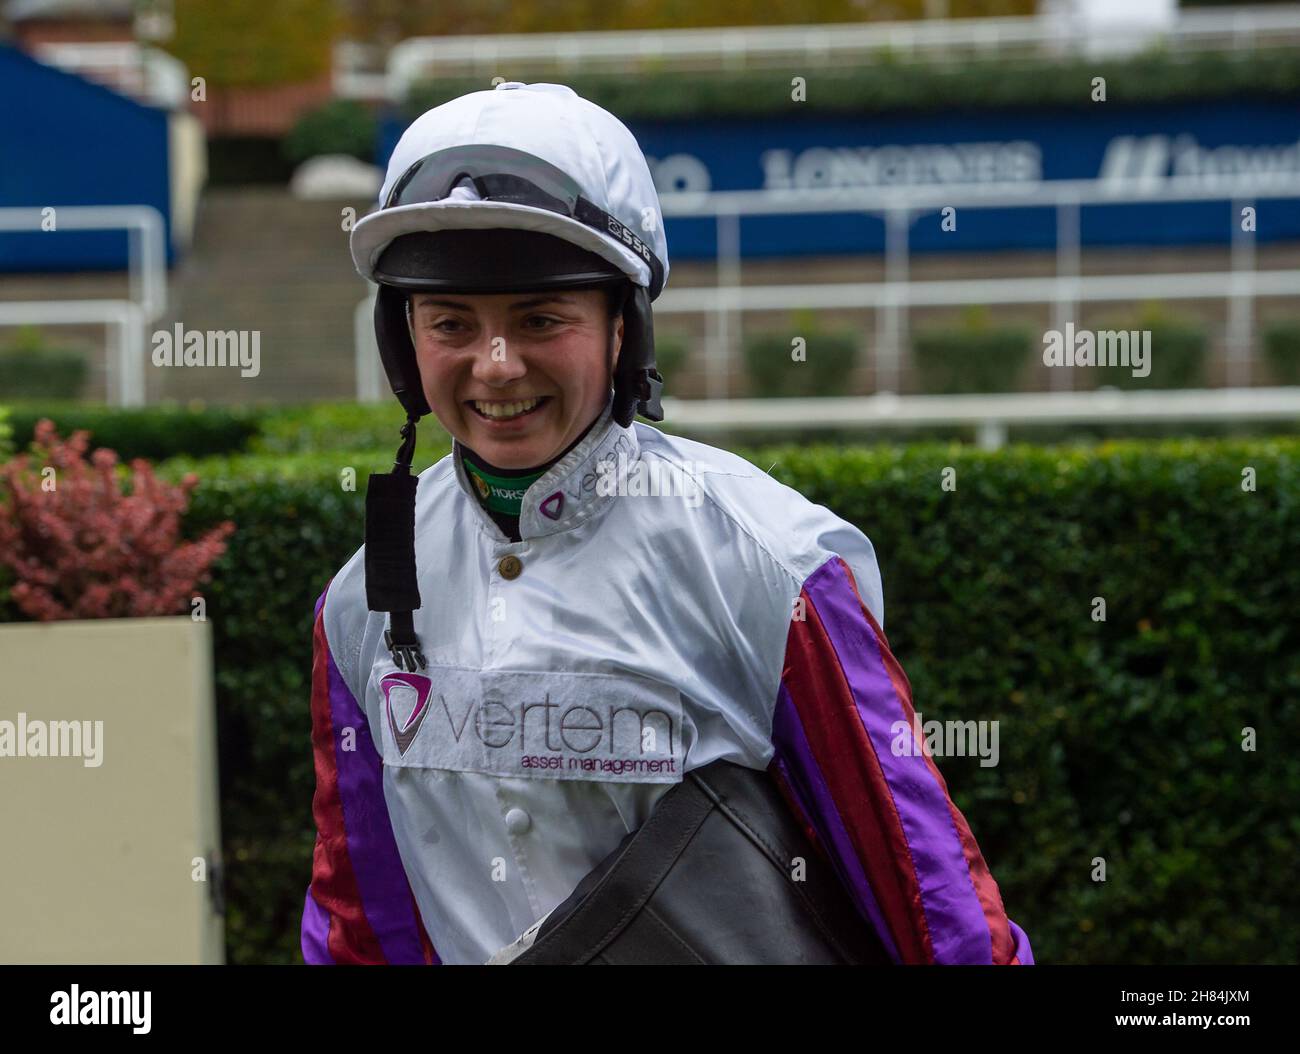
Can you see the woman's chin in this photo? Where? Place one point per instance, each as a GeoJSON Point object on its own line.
{"type": "Point", "coordinates": [511, 451]}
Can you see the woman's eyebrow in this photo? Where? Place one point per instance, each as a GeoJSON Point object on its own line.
{"type": "Point", "coordinates": [518, 305]}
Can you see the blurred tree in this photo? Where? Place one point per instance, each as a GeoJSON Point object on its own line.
{"type": "Point", "coordinates": [242, 43]}
{"type": "Point", "coordinates": [388, 21]}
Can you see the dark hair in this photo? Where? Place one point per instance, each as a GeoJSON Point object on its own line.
{"type": "Point", "coordinates": [614, 299]}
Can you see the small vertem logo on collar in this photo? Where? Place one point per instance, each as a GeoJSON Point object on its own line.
{"type": "Point", "coordinates": [406, 701]}
{"type": "Point", "coordinates": [552, 507]}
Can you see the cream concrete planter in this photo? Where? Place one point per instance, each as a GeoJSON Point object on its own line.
{"type": "Point", "coordinates": [101, 830]}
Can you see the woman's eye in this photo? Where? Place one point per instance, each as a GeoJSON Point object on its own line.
{"type": "Point", "coordinates": [545, 322]}
{"type": "Point", "coordinates": [446, 325]}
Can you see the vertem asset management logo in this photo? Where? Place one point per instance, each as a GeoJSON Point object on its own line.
{"type": "Point", "coordinates": [406, 701]}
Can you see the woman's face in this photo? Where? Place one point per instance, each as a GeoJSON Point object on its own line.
{"type": "Point", "coordinates": [515, 376]}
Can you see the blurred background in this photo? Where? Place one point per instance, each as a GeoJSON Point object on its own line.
{"type": "Point", "coordinates": [919, 192]}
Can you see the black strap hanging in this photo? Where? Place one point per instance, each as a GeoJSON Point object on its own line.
{"type": "Point", "coordinates": [391, 584]}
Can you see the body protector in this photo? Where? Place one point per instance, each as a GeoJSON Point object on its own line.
{"type": "Point", "coordinates": [523, 188]}
{"type": "Point", "coordinates": [721, 874]}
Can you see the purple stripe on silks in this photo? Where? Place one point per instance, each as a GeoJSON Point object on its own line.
{"type": "Point", "coordinates": [315, 933]}
{"type": "Point", "coordinates": [320, 600]}
{"type": "Point", "coordinates": [385, 892]}
{"type": "Point", "coordinates": [1023, 952]}
{"type": "Point", "coordinates": [795, 757]}
{"type": "Point", "coordinates": [958, 929]}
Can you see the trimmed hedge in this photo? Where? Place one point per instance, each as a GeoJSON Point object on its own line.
{"type": "Point", "coordinates": [153, 432]}
{"type": "Point", "coordinates": [31, 367]}
{"type": "Point", "coordinates": [1178, 352]}
{"type": "Point", "coordinates": [829, 357]}
{"type": "Point", "coordinates": [1119, 739]}
{"type": "Point", "coordinates": [882, 83]}
{"type": "Point", "coordinates": [1282, 351]}
{"type": "Point", "coordinates": [343, 426]}
{"type": "Point", "coordinates": [340, 126]}
{"type": "Point", "coordinates": [975, 357]}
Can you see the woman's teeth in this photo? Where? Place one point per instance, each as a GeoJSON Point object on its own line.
{"type": "Point", "coordinates": [500, 411]}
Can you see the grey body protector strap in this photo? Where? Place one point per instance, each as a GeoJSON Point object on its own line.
{"type": "Point", "coordinates": [712, 877]}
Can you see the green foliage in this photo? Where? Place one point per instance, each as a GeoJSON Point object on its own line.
{"type": "Point", "coordinates": [1177, 356]}
{"type": "Point", "coordinates": [32, 367]}
{"type": "Point", "coordinates": [246, 43]}
{"type": "Point", "coordinates": [827, 358]}
{"type": "Point", "coordinates": [973, 357]}
{"type": "Point", "coordinates": [1282, 351]}
{"type": "Point", "coordinates": [340, 126]}
{"type": "Point", "coordinates": [392, 20]}
{"type": "Point", "coordinates": [1118, 739]}
{"type": "Point", "coordinates": [671, 353]}
{"type": "Point", "coordinates": [6, 434]}
{"type": "Point", "coordinates": [344, 426]}
{"type": "Point", "coordinates": [153, 432]}
{"type": "Point", "coordinates": [879, 85]}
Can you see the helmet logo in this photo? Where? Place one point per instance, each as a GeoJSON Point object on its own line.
{"type": "Point", "coordinates": [552, 506]}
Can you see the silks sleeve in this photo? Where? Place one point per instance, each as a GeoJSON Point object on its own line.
{"type": "Point", "coordinates": [901, 847]}
{"type": "Point", "coordinates": [359, 906]}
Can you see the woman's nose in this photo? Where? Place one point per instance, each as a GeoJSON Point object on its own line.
{"type": "Point", "coordinates": [497, 363]}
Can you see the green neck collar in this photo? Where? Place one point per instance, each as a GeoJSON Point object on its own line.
{"type": "Point", "coordinates": [504, 494]}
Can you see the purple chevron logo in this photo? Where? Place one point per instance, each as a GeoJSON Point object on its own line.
{"type": "Point", "coordinates": [552, 506]}
{"type": "Point", "coordinates": [406, 699]}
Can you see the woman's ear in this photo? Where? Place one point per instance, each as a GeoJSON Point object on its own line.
{"type": "Point", "coordinates": [618, 339]}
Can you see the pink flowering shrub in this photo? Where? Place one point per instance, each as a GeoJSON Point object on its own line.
{"type": "Point", "coordinates": [79, 547]}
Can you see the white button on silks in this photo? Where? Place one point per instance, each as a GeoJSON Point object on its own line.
{"type": "Point", "coordinates": [518, 821]}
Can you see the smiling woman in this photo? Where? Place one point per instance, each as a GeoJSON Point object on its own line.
{"type": "Point", "coordinates": [532, 652]}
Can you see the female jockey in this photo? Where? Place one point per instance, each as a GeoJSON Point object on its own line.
{"type": "Point", "coordinates": [573, 613]}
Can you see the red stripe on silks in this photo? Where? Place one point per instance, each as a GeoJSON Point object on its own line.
{"type": "Point", "coordinates": [986, 887]}
{"type": "Point", "coordinates": [333, 882]}
{"type": "Point", "coordinates": [819, 689]}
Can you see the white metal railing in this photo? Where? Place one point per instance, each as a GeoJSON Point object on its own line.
{"type": "Point", "coordinates": [126, 320]}
{"type": "Point", "coordinates": [943, 40]}
{"type": "Point", "coordinates": [990, 414]}
{"type": "Point", "coordinates": [900, 206]}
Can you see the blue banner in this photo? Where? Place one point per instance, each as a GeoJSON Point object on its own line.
{"type": "Point", "coordinates": [1212, 141]}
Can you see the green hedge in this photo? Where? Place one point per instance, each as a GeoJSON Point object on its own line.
{"type": "Point", "coordinates": [828, 360]}
{"type": "Point", "coordinates": [974, 357]}
{"type": "Point", "coordinates": [153, 432]}
{"type": "Point", "coordinates": [342, 426]}
{"type": "Point", "coordinates": [1178, 352]}
{"type": "Point", "coordinates": [340, 126]}
{"type": "Point", "coordinates": [883, 83]}
{"type": "Point", "coordinates": [33, 367]}
{"type": "Point", "coordinates": [1118, 739]}
{"type": "Point", "coordinates": [1282, 351]}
